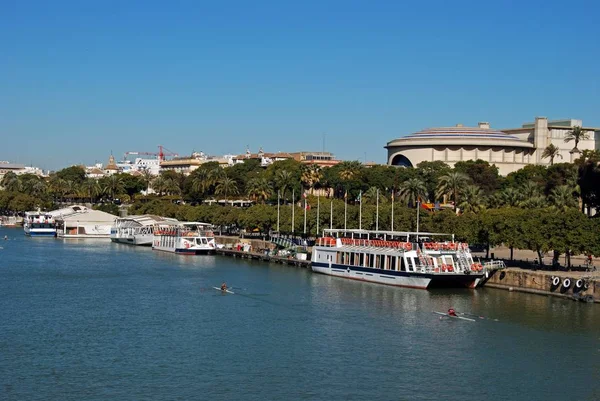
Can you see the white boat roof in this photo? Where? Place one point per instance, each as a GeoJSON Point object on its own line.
{"type": "Point", "coordinates": [144, 220]}
{"type": "Point", "coordinates": [381, 232]}
{"type": "Point", "coordinates": [82, 214]}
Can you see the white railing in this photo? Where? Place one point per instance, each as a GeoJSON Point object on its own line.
{"type": "Point", "coordinates": [494, 265]}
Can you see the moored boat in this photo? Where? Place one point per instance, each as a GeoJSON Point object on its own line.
{"type": "Point", "coordinates": [404, 259]}
{"type": "Point", "coordinates": [137, 230]}
{"type": "Point", "coordinates": [191, 238]}
{"type": "Point", "coordinates": [39, 224]}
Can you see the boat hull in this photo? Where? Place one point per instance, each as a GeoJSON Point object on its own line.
{"type": "Point", "coordinates": [185, 251]}
{"type": "Point", "coordinates": [139, 240]}
{"type": "Point", "coordinates": [398, 278]}
{"type": "Point", "coordinates": [49, 233]}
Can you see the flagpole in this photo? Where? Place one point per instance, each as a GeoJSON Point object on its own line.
{"type": "Point", "coordinates": [293, 195]}
{"type": "Point", "coordinates": [331, 214]}
{"type": "Point", "coordinates": [360, 210]}
{"type": "Point", "coordinates": [392, 210]}
{"type": "Point", "coordinates": [377, 213]}
{"type": "Point", "coordinates": [278, 195]}
{"type": "Point", "coordinates": [318, 205]}
{"type": "Point", "coordinates": [418, 207]}
{"type": "Point", "coordinates": [345, 209]}
{"type": "Point", "coordinates": [304, 213]}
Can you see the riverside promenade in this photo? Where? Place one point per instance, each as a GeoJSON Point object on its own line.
{"type": "Point", "coordinates": [575, 284]}
{"type": "Point", "coordinates": [525, 275]}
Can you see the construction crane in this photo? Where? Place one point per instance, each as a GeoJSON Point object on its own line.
{"type": "Point", "coordinates": [161, 154]}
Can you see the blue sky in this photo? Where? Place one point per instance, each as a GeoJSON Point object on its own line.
{"type": "Point", "coordinates": [80, 79]}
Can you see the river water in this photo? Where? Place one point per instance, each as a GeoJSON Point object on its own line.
{"type": "Point", "coordinates": [91, 320]}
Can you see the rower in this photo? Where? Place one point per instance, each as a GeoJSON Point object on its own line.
{"type": "Point", "coordinates": [224, 286]}
{"type": "Point", "coordinates": [451, 312]}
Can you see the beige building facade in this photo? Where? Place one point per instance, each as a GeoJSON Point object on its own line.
{"type": "Point", "coordinates": [509, 149]}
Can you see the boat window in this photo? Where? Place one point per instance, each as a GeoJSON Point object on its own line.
{"type": "Point", "coordinates": [362, 259]}
{"type": "Point", "coordinates": [371, 260]}
{"type": "Point", "coordinates": [351, 258]}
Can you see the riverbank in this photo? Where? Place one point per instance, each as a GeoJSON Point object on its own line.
{"type": "Point", "coordinates": [570, 285]}
{"type": "Point", "coordinates": [549, 283]}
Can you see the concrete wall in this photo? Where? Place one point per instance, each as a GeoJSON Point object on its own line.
{"type": "Point", "coordinates": [541, 283]}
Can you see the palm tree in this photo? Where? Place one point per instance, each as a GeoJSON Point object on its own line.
{"type": "Point", "coordinates": [147, 178]}
{"type": "Point", "coordinates": [59, 187]}
{"type": "Point", "coordinates": [561, 197]}
{"type": "Point", "coordinates": [473, 199]}
{"type": "Point", "coordinates": [226, 186]}
{"type": "Point", "coordinates": [509, 197]}
{"type": "Point", "coordinates": [159, 184]}
{"type": "Point", "coordinates": [577, 134]}
{"type": "Point", "coordinates": [551, 152]}
{"type": "Point", "coordinates": [91, 188]}
{"type": "Point", "coordinates": [530, 189]}
{"type": "Point", "coordinates": [311, 175]}
{"type": "Point", "coordinates": [172, 187]}
{"type": "Point", "coordinates": [370, 196]}
{"type": "Point", "coordinates": [412, 190]}
{"type": "Point", "coordinates": [535, 202]}
{"type": "Point", "coordinates": [259, 189]}
{"type": "Point", "coordinates": [283, 180]}
{"type": "Point", "coordinates": [216, 174]}
{"type": "Point", "coordinates": [451, 184]}
{"type": "Point", "coordinates": [202, 181]}
{"type": "Point", "coordinates": [113, 186]}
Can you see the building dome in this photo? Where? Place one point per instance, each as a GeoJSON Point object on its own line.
{"type": "Point", "coordinates": [459, 143]}
{"type": "Point", "coordinates": [461, 133]}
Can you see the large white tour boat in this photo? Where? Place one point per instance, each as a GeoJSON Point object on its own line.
{"type": "Point", "coordinates": [402, 259]}
{"type": "Point", "coordinates": [39, 224]}
{"type": "Point", "coordinates": [184, 238]}
{"type": "Point", "coordinates": [137, 230]}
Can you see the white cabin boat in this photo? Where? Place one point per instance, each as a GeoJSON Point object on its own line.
{"type": "Point", "coordinates": [39, 224]}
{"type": "Point", "coordinates": [184, 238]}
{"type": "Point", "coordinates": [396, 258]}
{"type": "Point", "coordinates": [137, 230]}
{"type": "Point", "coordinates": [80, 222]}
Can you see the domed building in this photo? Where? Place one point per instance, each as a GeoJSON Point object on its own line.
{"type": "Point", "coordinates": [509, 149]}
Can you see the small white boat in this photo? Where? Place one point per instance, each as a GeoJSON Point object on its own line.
{"type": "Point", "coordinates": [137, 230]}
{"type": "Point", "coordinates": [39, 224]}
{"type": "Point", "coordinates": [191, 238]}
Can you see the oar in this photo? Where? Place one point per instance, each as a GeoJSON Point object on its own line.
{"type": "Point", "coordinates": [478, 316]}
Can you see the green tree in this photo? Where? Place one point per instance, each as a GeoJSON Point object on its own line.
{"type": "Point", "coordinates": [551, 151]}
{"type": "Point", "coordinates": [473, 199]}
{"type": "Point", "coordinates": [259, 189]}
{"type": "Point", "coordinates": [577, 134]}
{"type": "Point", "coordinates": [412, 190]}
{"type": "Point", "coordinates": [481, 173]}
{"type": "Point", "coordinates": [10, 182]}
{"type": "Point", "coordinates": [75, 174]}
{"type": "Point", "coordinates": [562, 198]}
{"type": "Point", "coordinates": [226, 186]}
{"type": "Point", "coordinates": [452, 185]}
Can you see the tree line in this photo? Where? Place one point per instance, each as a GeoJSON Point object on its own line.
{"type": "Point", "coordinates": [482, 201]}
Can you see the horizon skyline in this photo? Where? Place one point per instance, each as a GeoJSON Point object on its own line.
{"type": "Point", "coordinates": [80, 80]}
